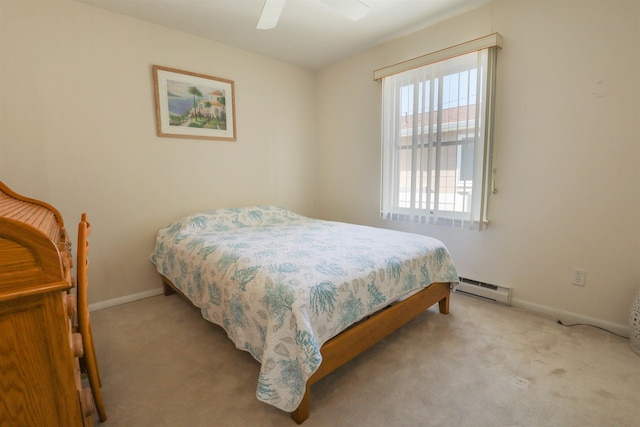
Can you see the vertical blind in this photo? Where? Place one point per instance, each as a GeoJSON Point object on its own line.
{"type": "Point", "coordinates": [436, 139]}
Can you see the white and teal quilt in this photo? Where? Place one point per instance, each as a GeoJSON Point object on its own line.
{"type": "Point", "coordinates": [282, 284]}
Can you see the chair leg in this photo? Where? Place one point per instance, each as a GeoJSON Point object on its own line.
{"type": "Point", "coordinates": [94, 377]}
{"type": "Point", "coordinates": [95, 358]}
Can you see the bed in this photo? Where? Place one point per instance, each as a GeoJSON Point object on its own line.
{"type": "Point", "coordinates": [303, 296]}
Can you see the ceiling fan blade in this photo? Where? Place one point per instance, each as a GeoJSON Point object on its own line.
{"type": "Point", "coordinates": [270, 14]}
{"type": "Point", "coordinates": [352, 9]}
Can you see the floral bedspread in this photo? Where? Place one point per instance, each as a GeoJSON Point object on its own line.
{"type": "Point", "coordinates": [282, 284]}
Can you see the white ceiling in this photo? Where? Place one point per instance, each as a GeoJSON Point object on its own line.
{"type": "Point", "coordinates": [309, 33]}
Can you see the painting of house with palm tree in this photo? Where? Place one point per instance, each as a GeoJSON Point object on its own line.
{"type": "Point", "coordinates": [193, 105]}
{"type": "Point", "coordinates": [196, 106]}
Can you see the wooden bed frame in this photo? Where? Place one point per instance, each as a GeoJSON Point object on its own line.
{"type": "Point", "coordinates": [353, 341]}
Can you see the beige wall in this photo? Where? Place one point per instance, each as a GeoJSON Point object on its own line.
{"type": "Point", "coordinates": [77, 129]}
{"type": "Point", "coordinates": [566, 151]}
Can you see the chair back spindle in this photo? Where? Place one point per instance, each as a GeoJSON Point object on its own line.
{"type": "Point", "coordinates": [84, 323]}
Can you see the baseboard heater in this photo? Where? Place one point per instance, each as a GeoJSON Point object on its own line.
{"type": "Point", "coordinates": [483, 290]}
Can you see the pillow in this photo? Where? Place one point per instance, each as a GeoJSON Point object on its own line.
{"type": "Point", "coordinates": [226, 219]}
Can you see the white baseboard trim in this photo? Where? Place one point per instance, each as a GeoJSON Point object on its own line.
{"type": "Point", "coordinates": [568, 317]}
{"type": "Point", "coordinates": [564, 316]}
{"type": "Point", "coordinates": [125, 299]}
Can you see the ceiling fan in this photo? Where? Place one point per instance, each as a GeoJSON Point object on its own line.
{"type": "Point", "coordinates": [352, 9]}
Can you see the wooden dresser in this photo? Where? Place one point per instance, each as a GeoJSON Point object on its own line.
{"type": "Point", "coordinates": [40, 383]}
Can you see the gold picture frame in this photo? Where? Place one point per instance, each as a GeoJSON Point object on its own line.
{"type": "Point", "coordinates": [192, 105]}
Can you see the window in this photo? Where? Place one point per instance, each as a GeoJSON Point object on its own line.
{"type": "Point", "coordinates": [436, 136]}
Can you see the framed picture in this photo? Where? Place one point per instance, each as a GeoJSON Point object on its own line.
{"type": "Point", "coordinates": [191, 105]}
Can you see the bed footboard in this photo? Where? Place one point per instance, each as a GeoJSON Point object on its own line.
{"type": "Point", "coordinates": [350, 343]}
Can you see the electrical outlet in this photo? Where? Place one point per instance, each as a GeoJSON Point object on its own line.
{"type": "Point", "coordinates": [577, 277]}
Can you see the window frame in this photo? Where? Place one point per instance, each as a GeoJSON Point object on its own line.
{"type": "Point", "coordinates": [478, 216]}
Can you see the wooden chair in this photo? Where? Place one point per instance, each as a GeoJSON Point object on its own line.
{"type": "Point", "coordinates": [84, 325]}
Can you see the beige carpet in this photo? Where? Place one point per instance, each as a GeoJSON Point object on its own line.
{"type": "Point", "coordinates": [482, 365]}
